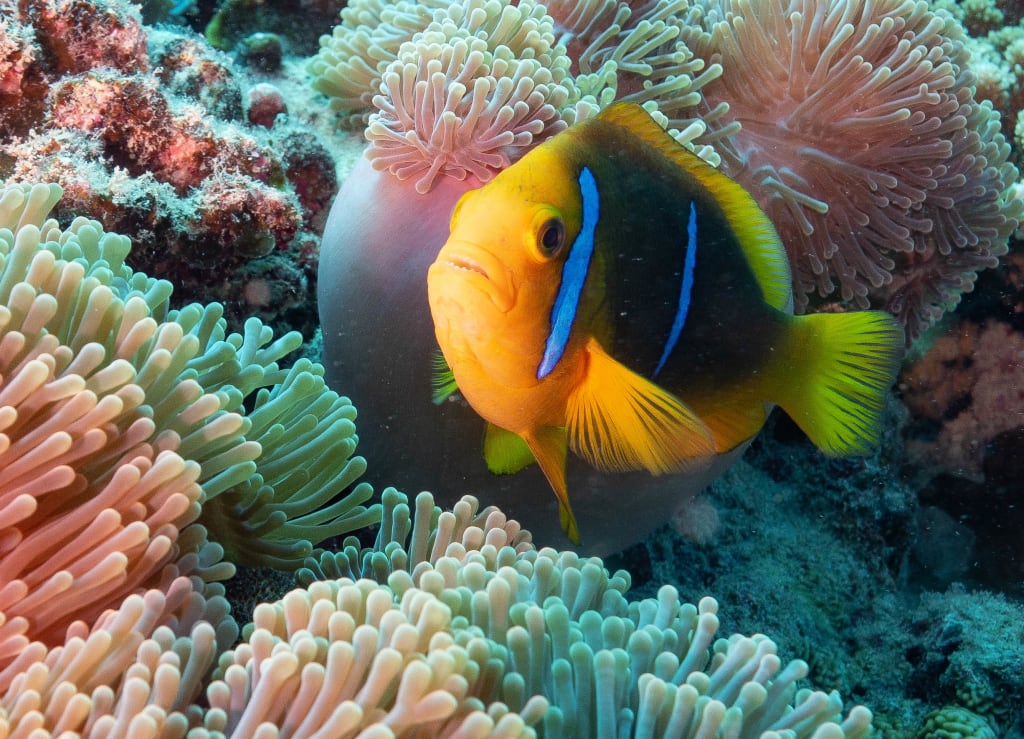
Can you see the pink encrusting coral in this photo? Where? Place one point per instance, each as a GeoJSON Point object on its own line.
{"type": "Point", "coordinates": [82, 35]}
{"type": "Point", "coordinates": [970, 385]}
{"type": "Point", "coordinates": [996, 43]}
{"type": "Point", "coordinates": [854, 125]}
{"type": "Point", "coordinates": [16, 52]}
{"type": "Point", "coordinates": [147, 130]}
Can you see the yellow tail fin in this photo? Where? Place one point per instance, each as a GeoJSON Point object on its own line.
{"type": "Point", "coordinates": [837, 375]}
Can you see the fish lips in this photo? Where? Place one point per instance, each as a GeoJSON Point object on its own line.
{"type": "Point", "coordinates": [472, 266]}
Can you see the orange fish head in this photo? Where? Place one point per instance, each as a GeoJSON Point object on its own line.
{"type": "Point", "coordinates": [493, 284]}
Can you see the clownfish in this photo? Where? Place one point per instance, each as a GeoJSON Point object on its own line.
{"type": "Point", "coordinates": [614, 294]}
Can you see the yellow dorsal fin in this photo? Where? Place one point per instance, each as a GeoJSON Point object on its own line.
{"type": "Point", "coordinates": [755, 232]}
{"type": "Point", "coordinates": [549, 448]}
{"type": "Point", "coordinates": [505, 452]}
{"type": "Point", "coordinates": [840, 367]}
{"type": "Point", "coordinates": [617, 420]}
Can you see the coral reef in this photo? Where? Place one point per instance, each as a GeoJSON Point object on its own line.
{"type": "Point", "coordinates": [243, 26]}
{"type": "Point", "coordinates": [954, 722]}
{"type": "Point", "coordinates": [964, 443]}
{"type": "Point", "coordinates": [817, 556]}
{"type": "Point", "coordinates": [967, 384]}
{"type": "Point", "coordinates": [827, 558]}
{"type": "Point", "coordinates": [964, 660]}
{"type": "Point", "coordinates": [808, 551]}
{"type": "Point", "coordinates": [996, 41]}
{"type": "Point", "coordinates": [147, 130]}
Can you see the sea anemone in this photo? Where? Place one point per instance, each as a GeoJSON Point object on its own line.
{"type": "Point", "coordinates": [456, 625]}
{"type": "Point", "coordinates": [467, 87]}
{"type": "Point", "coordinates": [482, 80]}
{"type": "Point", "coordinates": [142, 445]}
{"type": "Point", "coordinates": [637, 53]}
{"type": "Point", "coordinates": [350, 62]}
{"type": "Point", "coordinates": [454, 622]}
{"type": "Point", "coordinates": [855, 125]}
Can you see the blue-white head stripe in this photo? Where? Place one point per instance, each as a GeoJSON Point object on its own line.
{"type": "Point", "coordinates": [574, 274]}
{"type": "Point", "coordinates": [685, 289]}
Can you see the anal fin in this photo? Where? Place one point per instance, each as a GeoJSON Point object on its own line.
{"type": "Point", "coordinates": [733, 420]}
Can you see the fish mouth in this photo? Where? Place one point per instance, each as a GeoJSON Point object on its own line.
{"type": "Point", "coordinates": [460, 261]}
{"type": "Point", "coordinates": [477, 267]}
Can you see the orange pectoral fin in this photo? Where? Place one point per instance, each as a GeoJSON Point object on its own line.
{"type": "Point", "coordinates": [619, 421]}
{"type": "Point", "coordinates": [549, 449]}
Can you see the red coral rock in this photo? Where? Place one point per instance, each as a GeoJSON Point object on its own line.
{"type": "Point", "coordinates": [187, 67]}
{"type": "Point", "coordinates": [236, 215]}
{"type": "Point", "coordinates": [78, 35]}
{"type": "Point", "coordinates": [976, 381]}
{"type": "Point", "coordinates": [135, 124]}
{"type": "Point", "coordinates": [940, 381]}
{"type": "Point", "coordinates": [310, 167]}
{"type": "Point", "coordinates": [158, 147]}
{"type": "Point", "coordinates": [22, 82]}
{"type": "Point", "coordinates": [16, 55]}
{"type": "Point", "coordinates": [266, 103]}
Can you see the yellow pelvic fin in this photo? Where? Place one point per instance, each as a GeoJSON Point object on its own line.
{"type": "Point", "coordinates": [549, 448]}
{"type": "Point", "coordinates": [836, 377]}
{"type": "Point", "coordinates": [618, 421]}
{"type": "Point", "coordinates": [505, 452]}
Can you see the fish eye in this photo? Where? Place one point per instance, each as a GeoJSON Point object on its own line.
{"type": "Point", "coordinates": [551, 237]}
